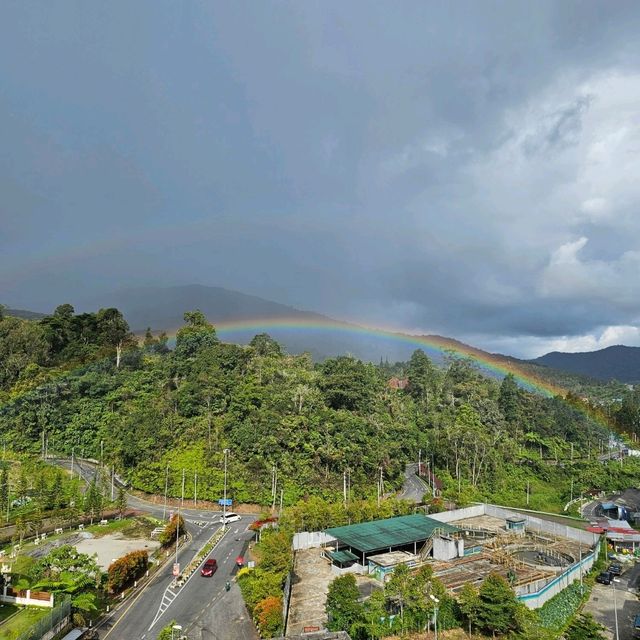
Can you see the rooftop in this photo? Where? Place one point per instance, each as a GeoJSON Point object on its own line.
{"type": "Point", "coordinates": [393, 558]}
{"type": "Point", "coordinates": [392, 532]}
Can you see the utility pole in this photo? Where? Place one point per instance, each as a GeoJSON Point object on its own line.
{"type": "Point", "coordinates": [72, 451]}
{"type": "Point", "coordinates": [113, 474]}
{"type": "Point", "coordinates": [615, 607]}
{"type": "Point", "coordinates": [166, 487]}
{"type": "Point", "coordinates": [344, 486]}
{"type": "Point", "coordinates": [224, 501]}
{"type": "Point", "coordinates": [195, 489]}
{"type": "Point", "coordinates": [182, 498]}
{"type": "Point", "coordinates": [281, 500]}
{"type": "Point", "coordinates": [419, 462]}
{"type": "Point", "coordinates": [101, 452]}
{"type": "Point", "coordinates": [275, 487]}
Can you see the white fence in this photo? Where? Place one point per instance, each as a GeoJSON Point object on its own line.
{"type": "Point", "coordinates": [35, 599]}
{"type": "Point", "coordinates": [311, 539]}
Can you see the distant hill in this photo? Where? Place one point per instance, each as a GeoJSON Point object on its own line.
{"type": "Point", "coordinates": [163, 307]}
{"type": "Point", "coordinates": [613, 363]}
{"type": "Point", "coordinates": [21, 313]}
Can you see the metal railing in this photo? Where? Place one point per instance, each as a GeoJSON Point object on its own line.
{"type": "Point", "coordinates": [56, 616]}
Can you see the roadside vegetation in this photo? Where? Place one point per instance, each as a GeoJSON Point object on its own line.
{"type": "Point", "coordinates": [81, 382]}
{"type": "Point", "coordinates": [328, 441]}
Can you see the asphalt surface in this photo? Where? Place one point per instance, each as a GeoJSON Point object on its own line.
{"type": "Point", "coordinates": [414, 487]}
{"type": "Point", "coordinates": [203, 607]}
{"type": "Point", "coordinates": [621, 595]}
{"type": "Point", "coordinates": [193, 605]}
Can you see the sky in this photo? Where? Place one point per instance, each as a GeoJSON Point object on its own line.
{"type": "Point", "coordinates": [463, 168]}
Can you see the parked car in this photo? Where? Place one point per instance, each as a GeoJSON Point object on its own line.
{"type": "Point", "coordinates": [239, 561]}
{"type": "Point", "coordinates": [636, 627]}
{"type": "Point", "coordinates": [605, 577]}
{"type": "Point", "coordinates": [229, 517]}
{"type": "Point", "coordinates": [209, 568]}
{"type": "Point", "coordinates": [615, 569]}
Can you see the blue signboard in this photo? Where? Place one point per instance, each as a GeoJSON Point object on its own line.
{"type": "Point", "coordinates": [225, 503]}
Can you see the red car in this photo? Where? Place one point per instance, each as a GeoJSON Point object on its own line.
{"type": "Point", "coordinates": [240, 561]}
{"type": "Point", "coordinates": [209, 568]}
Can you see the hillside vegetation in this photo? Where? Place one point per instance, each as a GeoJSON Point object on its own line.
{"type": "Point", "coordinates": [80, 382]}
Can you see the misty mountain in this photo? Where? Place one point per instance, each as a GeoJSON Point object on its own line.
{"type": "Point", "coordinates": [162, 309]}
{"type": "Point", "coordinates": [613, 363]}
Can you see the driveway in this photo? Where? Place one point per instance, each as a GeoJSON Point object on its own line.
{"type": "Point", "coordinates": [623, 593]}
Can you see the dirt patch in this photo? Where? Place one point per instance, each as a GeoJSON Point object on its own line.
{"type": "Point", "coordinates": [111, 547]}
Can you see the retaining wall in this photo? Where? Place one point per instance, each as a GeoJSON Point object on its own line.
{"type": "Point", "coordinates": [536, 599]}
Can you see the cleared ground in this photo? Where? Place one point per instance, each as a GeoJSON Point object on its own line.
{"type": "Point", "coordinates": [113, 546]}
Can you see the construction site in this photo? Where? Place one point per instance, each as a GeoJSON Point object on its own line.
{"type": "Point", "coordinates": [537, 557]}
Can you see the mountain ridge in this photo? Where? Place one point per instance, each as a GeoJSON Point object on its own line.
{"type": "Point", "coordinates": [617, 362]}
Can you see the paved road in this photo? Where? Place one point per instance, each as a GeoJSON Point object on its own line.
{"type": "Point", "coordinates": [203, 607]}
{"type": "Point", "coordinates": [203, 603]}
{"type": "Point", "coordinates": [414, 487]}
{"type": "Point", "coordinates": [604, 600]}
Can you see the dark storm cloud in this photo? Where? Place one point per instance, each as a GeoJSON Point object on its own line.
{"type": "Point", "coordinates": [434, 166]}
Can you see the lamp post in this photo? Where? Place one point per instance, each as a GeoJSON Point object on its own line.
{"type": "Point", "coordinates": [224, 501]}
{"type": "Point", "coordinates": [436, 601]}
{"type": "Point", "coordinates": [615, 607]}
{"type": "Point", "coordinates": [166, 487]}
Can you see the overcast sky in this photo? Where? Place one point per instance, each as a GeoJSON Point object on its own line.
{"type": "Point", "coordinates": [465, 168]}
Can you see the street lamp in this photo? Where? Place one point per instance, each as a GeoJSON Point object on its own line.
{"type": "Point", "coordinates": [176, 627]}
{"type": "Point", "coordinates": [615, 607]}
{"type": "Point", "coordinates": [436, 601]}
{"type": "Point", "coordinates": [224, 500]}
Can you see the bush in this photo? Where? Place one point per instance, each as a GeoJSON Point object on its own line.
{"type": "Point", "coordinates": [126, 569]}
{"type": "Point", "coordinates": [268, 616]}
{"type": "Point", "coordinates": [168, 536]}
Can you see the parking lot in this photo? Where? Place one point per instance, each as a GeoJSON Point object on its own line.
{"type": "Point", "coordinates": [623, 593]}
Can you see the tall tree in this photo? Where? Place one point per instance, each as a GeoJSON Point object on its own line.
{"type": "Point", "coordinates": [497, 605]}
{"type": "Point", "coordinates": [342, 607]}
{"type": "Point", "coordinates": [113, 329]}
{"type": "Point", "coordinates": [423, 376]}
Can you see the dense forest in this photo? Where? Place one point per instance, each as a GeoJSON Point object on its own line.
{"type": "Point", "coordinates": [84, 383]}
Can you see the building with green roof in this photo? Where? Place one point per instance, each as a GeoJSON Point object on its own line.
{"type": "Point", "coordinates": [404, 533]}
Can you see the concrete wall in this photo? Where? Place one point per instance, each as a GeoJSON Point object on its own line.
{"type": "Point", "coordinates": [459, 514]}
{"type": "Point", "coordinates": [445, 548]}
{"type": "Point", "coordinates": [534, 595]}
{"type": "Point", "coordinates": [311, 540]}
{"type": "Point", "coordinates": [545, 526]}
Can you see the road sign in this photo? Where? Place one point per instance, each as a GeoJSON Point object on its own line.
{"type": "Point", "coordinates": [176, 569]}
{"type": "Point", "coordinates": [225, 503]}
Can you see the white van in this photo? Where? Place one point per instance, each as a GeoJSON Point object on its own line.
{"type": "Point", "coordinates": [229, 517]}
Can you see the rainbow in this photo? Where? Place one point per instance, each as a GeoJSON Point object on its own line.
{"type": "Point", "coordinates": [495, 366]}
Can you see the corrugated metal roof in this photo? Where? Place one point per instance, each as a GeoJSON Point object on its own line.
{"type": "Point", "coordinates": [392, 532]}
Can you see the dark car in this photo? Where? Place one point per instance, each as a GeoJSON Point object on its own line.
{"type": "Point", "coordinates": [209, 568]}
{"type": "Point", "coordinates": [615, 569]}
{"type": "Point", "coordinates": [605, 577]}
